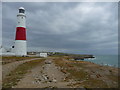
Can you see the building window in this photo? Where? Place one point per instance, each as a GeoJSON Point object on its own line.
{"type": "Point", "coordinates": [21, 11]}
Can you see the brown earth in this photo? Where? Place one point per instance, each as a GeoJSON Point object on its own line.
{"type": "Point", "coordinates": [58, 72]}
{"type": "Point", "coordinates": [7, 68]}
{"type": "Point", "coordinates": [45, 76]}
{"type": "Point", "coordinates": [89, 75]}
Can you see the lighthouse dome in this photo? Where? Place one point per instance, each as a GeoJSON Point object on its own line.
{"type": "Point", "coordinates": [22, 8]}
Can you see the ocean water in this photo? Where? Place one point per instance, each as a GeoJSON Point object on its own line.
{"type": "Point", "coordinates": [110, 60]}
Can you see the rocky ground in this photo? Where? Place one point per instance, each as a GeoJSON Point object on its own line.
{"type": "Point", "coordinates": [58, 72]}
{"type": "Point", "coordinates": [47, 75]}
{"type": "Point", "coordinates": [0, 73]}
{"type": "Point", "coordinates": [7, 68]}
{"type": "Point", "coordinates": [88, 75]}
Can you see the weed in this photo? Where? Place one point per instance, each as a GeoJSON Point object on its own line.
{"type": "Point", "coordinates": [19, 72]}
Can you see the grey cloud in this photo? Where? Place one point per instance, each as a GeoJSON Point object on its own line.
{"type": "Point", "coordinates": [71, 27]}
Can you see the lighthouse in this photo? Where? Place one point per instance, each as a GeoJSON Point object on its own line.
{"type": "Point", "coordinates": [20, 48]}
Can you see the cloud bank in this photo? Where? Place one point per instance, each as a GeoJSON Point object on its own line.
{"type": "Point", "coordinates": [72, 27]}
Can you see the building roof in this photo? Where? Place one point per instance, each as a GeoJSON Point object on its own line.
{"type": "Point", "coordinates": [22, 8]}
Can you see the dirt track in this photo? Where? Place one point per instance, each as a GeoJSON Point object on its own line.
{"type": "Point", "coordinates": [43, 77]}
{"type": "Point", "coordinates": [7, 68]}
{"type": "Point", "coordinates": [62, 73]}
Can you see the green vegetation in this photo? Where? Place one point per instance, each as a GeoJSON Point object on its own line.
{"type": "Point", "coordinates": [86, 74]}
{"type": "Point", "coordinates": [69, 67]}
{"type": "Point", "coordinates": [9, 59]}
{"type": "Point", "coordinates": [72, 56]}
{"type": "Point", "coordinates": [19, 72]}
{"type": "Point", "coordinates": [93, 83]}
{"type": "Point", "coordinates": [77, 75]}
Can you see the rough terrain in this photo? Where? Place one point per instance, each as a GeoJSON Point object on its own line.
{"type": "Point", "coordinates": [44, 76]}
{"type": "Point", "coordinates": [7, 68]}
{"type": "Point", "coordinates": [0, 72]}
{"type": "Point", "coordinates": [60, 72]}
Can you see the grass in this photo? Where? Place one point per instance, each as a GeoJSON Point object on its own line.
{"type": "Point", "coordinates": [9, 59]}
{"type": "Point", "coordinates": [19, 72]}
{"type": "Point", "coordinates": [69, 67]}
{"type": "Point", "coordinates": [94, 83]}
{"type": "Point", "coordinates": [80, 71]}
{"type": "Point", "coordinates": [77, 75]}
{"type": "Point", "coordinates": [111, 77]}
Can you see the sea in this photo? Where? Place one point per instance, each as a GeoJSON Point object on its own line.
{"type": "Point", "coordinates": [109, 60]}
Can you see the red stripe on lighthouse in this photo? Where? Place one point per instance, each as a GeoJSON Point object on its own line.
{"type": "Point", "coordinates": [20, 33]}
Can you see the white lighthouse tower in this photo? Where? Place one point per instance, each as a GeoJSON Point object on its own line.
{"type": "Point", "coordinates": [20, 48]}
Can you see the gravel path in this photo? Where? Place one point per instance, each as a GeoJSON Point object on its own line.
{"type": "Point", "coordinates": [47, 75]}
{"type": "Point", "coordinates": [7, 68]}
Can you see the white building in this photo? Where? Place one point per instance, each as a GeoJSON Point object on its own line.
{"type": "Point", "coordinates": [20, 46]}
{"type": "Point", "coordinates": [20, 39]}
{"type": "Point", "coordinates": [43, 55]}
{"type": "Point", "coordinates": [6, 52]}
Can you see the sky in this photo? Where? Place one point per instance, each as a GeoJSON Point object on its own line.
{"type": "Point", "coordinates": [71, 27]}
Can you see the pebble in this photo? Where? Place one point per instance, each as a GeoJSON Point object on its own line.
{"type": "Point", "coordinates": [54, 80]}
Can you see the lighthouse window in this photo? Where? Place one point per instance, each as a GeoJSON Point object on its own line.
{"type": "Point", "coordinates": [18, 22]}
{"type": "Point", "coordinates": [22, 17]}
{"type": "Point", "coordinates": [21, 10]}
